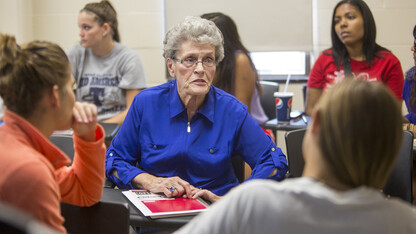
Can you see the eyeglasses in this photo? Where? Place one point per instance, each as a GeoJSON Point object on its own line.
{"type": "Point", "coordinates": [191, 62]}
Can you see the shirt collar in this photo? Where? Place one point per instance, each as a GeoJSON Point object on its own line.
{"type": "Point", "coordinates": [34, 137]}
{"type": "Point", "coordinates": [176, 106]}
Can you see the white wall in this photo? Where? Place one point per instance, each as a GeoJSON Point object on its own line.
{"type": "Point", "coordinates": [142, 25]}
{"type": "Point", "coordinates": [15, 18]}
{"type": "Point", "coordinates": [263, 25]}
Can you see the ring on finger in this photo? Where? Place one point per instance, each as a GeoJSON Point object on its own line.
{"type": "Point", "coordinates": [172, 189]}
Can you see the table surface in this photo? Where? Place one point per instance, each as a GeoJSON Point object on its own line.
{"type": "Point", "coordinates": [110, 130]}
{"type": "Point", "coordinates": [137, 219]}
{"type": "Point", "coordinates": [292, 125]}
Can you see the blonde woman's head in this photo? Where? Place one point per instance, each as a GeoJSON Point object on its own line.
{"type": "Point", "coordinates": [360, 132]}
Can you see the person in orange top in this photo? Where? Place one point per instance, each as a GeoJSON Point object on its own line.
{"type": "Point", "coordinates": [36, 85]}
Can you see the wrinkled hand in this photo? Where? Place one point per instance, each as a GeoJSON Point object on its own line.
{"type": "Point", "coordinates": [170, 186]}
{"type": "Point", "coordinates": [205, 194]}
{"type": "Point", "coordinates": [84, 120]}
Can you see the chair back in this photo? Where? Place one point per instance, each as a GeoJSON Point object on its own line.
{"type": "Point", "coordinates": [111, 130]}
{"type": "Point", "coordinates": [14, 221]}
{"type": "Point", "coordinates": [103, 217]}
{"type": "Point", "coordinates": [399, 182]}
{"type": "Point", "coordinates": [267, 99]}
{"type": "Point", "coordinates": [294, 152]}
{"type": "Point", "coordinates": [238, 166]}
{"type": "Point", "coordinates": [65, 143]}
{"type": "Point", "coordinates": [304, 90]}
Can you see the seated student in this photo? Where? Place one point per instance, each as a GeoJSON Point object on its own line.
{"type": "Point", "coordinates": [181, 135]}
{"type": "Point", "coordinates": [409, 97]}
{"type": "Point", "coordinates": [348, 158]}
{"type": "Point", "coordinates": [37, 88]}
{"type": "Point", "coordinates": [354, 52]}
{"type": "Point", "coordinates": [409, 89]}
{"type": "Point", "coordinates": [108, 74]}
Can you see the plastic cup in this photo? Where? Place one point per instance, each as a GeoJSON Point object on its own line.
{"type": "Point", "coordinates": [283, 106]}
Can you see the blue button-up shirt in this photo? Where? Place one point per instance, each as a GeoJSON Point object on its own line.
{"type": "Point", "coordinates": [407, 93]}
{"type": "Point", "coordinates": [156, 138]}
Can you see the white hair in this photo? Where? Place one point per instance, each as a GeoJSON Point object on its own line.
{"type": "Point", "coordinates": [197, 30]}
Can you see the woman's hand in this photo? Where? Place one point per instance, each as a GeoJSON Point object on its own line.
{"type": "Point", "coordinates": [170, 186]}
{"type": "Point", "coordinates": [205, 194]}
{"type": "Point", "coordinates": [84, 120]}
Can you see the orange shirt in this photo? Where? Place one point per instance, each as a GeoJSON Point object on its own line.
{"type": "Point", "coordinates": [34, 173]}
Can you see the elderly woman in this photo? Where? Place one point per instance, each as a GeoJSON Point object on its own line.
{"type": "Point", "coordinates": [409, 88]}
{"type": "Point", "coordinates": [181, 135]}
{"type": "Point", "coordinates": [344, 172]}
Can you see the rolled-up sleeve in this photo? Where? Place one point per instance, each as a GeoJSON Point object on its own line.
{"type": "Point", "coordinates": [81, 184]}
{"type": "Point", "coordinates": [259, 151]}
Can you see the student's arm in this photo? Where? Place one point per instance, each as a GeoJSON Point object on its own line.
{"type": "Point", "coordinates": [245, 79]}
{"type": "Point", "coordinates": [265, 158]}
{"type": "Point", "coordinates": [82, 183]}
{"type": "Point", "coordinates": [119, 118]}
{"type": "Point", "coordinates": [312, 97]}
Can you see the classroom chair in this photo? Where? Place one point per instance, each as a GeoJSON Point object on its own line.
{"type": "Point", "coordinates": [399, 183]}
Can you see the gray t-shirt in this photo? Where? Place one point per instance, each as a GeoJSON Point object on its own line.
{"type": "Point", "coordinates": [303, 205]}
{"type": "Point", "coordinates": [103, 80]}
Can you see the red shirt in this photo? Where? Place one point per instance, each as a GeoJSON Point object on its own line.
{"type": "Point", "coordinates": [386, 69]}
{"type": "Point", "coordinates": [34, 176]}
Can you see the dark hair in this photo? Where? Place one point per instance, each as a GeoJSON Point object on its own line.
{"type": "Point", "coordinates": [224, 77]}
{"type": "Point", "coordinates": [414, 35]}
{"type": "Point", "coordinates": [27, 73]}
{"type": "Point", "coordinates": [105, 13]}
{"type": "Point", "coordinates": [370, 47]}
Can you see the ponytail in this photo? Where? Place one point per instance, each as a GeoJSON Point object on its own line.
{"type": "Point", "coordinates": [27, 73]}
{"type": "Point", "coordinates": [8, 54]}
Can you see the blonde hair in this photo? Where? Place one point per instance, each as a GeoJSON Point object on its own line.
{"type": "Point", "coordinates": [360, 132]}
{"type": "Point", "coordinates": [26, 73]}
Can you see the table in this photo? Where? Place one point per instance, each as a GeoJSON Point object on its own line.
{"type": "Point", "coordinates": [292, 125]}
{"type": "Point", "coordinates": [137, 219]}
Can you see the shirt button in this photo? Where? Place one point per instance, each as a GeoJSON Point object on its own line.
{"type": "Point", "coordinates": [111, 154]}
{"type": "Point", "coordinates": [211, 151]}
{"type": "Point", "coordinates": [154, 146]}
{"type": "Point", "coordinates": [273, 149]}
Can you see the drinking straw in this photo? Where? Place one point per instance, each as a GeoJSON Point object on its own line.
{"type": "Point", "coordinates": [287, 83]}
